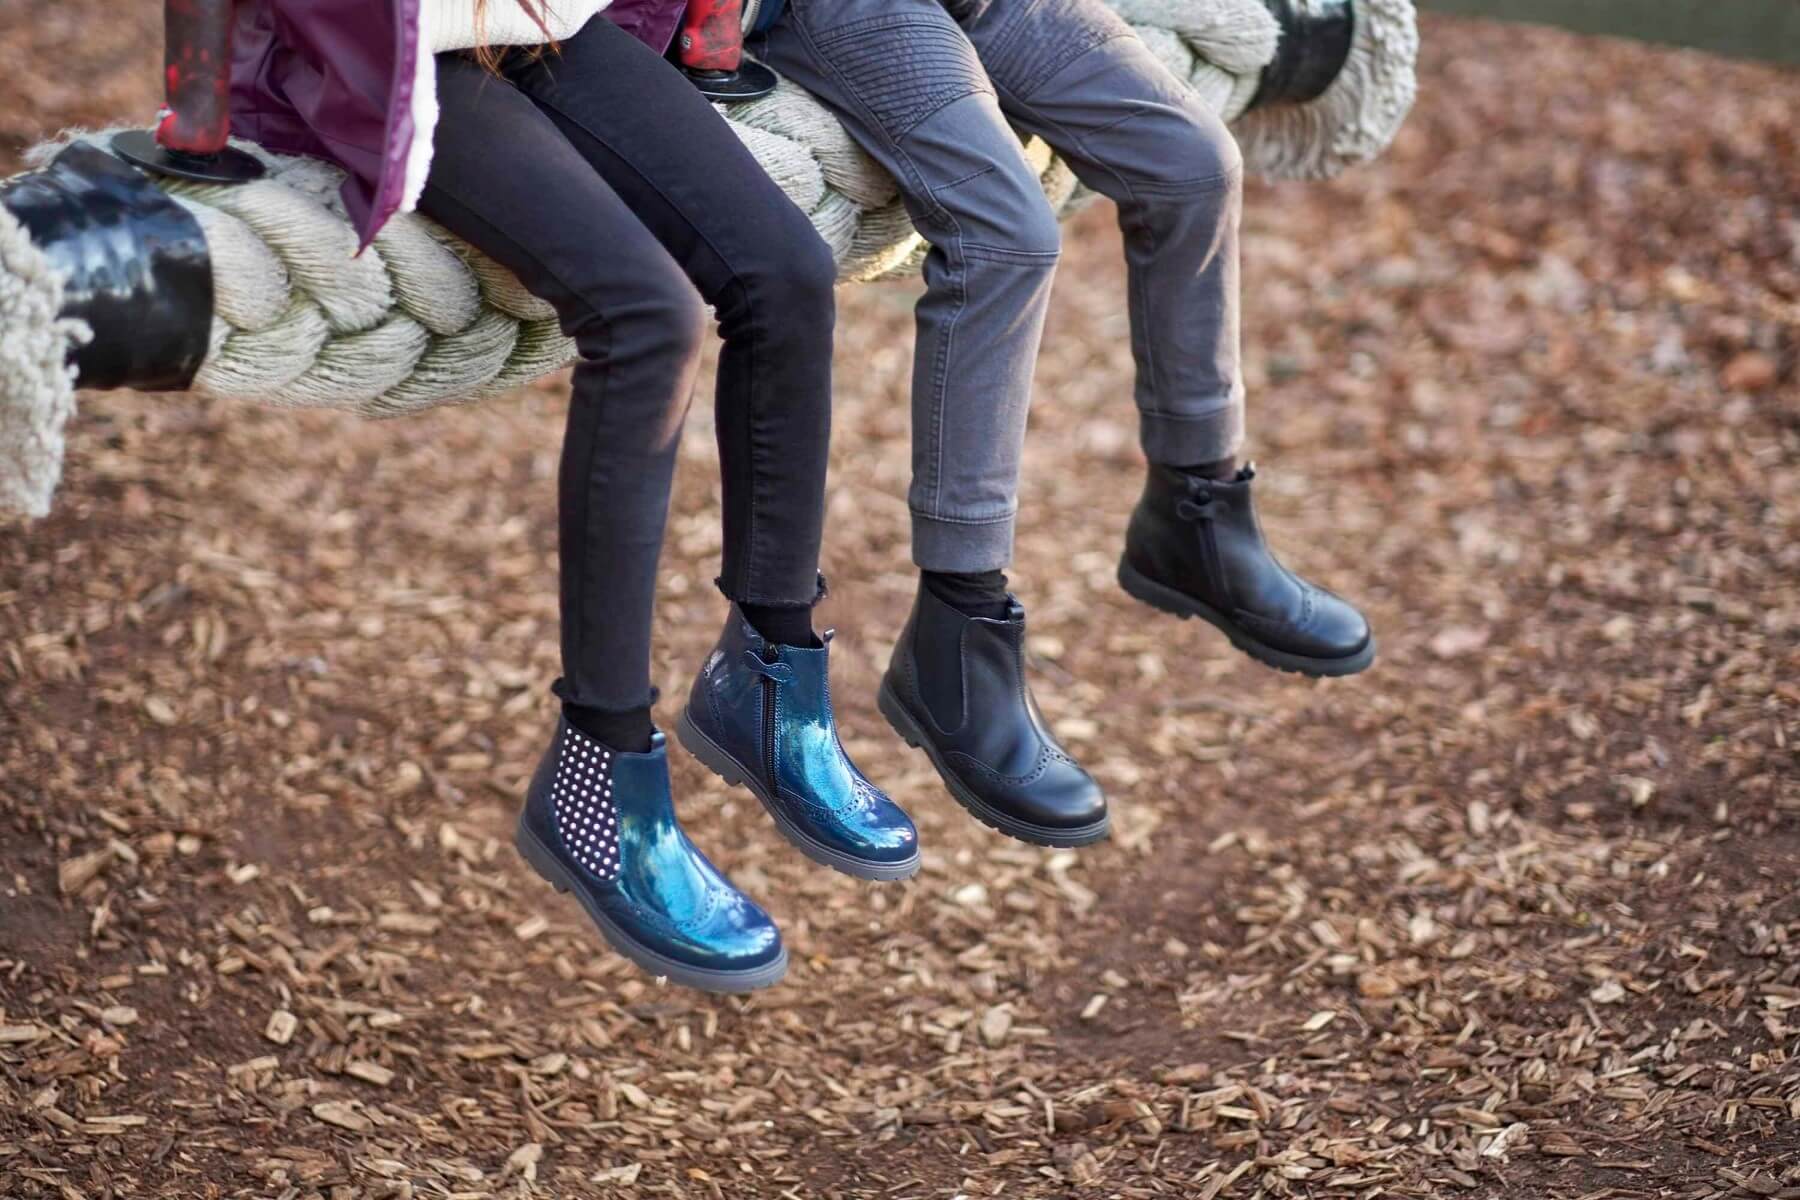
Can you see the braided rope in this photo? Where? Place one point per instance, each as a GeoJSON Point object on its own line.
{"type": "Point", "coordinates": [421, 319]}
{"type": "Point", "coordinates": [37, 386]}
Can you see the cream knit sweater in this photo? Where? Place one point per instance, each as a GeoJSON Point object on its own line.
{"type": "Point", "coordinates": [452, 25]}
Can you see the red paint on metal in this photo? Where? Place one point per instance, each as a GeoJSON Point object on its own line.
{"type": "Point", "coordinates": [197, 76]}
{"type": "Point", "coordinates": [712, 35]}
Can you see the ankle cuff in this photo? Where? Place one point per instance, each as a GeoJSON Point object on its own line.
{"type": "Point", "coordinates": [947, 544]}
{"type": "Point", "coordinates": [1175, 441]}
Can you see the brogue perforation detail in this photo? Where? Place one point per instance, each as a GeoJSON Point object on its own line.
{"type": "Point", "coordinates": [587, 820]}
{"type": "Point", "coordinates": [1048, 756]}
{"type": "Point", "coordinates": [867, 794]}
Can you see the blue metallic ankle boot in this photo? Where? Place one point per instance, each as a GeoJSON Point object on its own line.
{"type": "Point", "coordinates": [602, 825]}
{"type": "Point", "coordinates": [760, 715]}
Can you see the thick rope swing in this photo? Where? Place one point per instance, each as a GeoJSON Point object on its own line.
{"type": "Point", "coordinates": [422, 319]}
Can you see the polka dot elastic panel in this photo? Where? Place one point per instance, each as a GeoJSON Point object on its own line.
{"type": "Point", "coordinates": [582, 799]}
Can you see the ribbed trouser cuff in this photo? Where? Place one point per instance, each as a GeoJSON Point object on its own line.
{"type": "Point", "coordinates": [1182, 441]}
{"type": "Point", "coordinates": [949, 545]}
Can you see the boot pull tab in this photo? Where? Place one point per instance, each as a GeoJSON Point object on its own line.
{"type": "Point", "coordinates": [780, 672]}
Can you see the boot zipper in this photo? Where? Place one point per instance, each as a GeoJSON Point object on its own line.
{"type": "Point", "coordinates": [1198, 508]}
{"type": "Point", "coordinates": [768, 730]}
{"type": "Point", "coordinates": [1214, 568]}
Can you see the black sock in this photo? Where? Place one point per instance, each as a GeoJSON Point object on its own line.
{"type": "Point", "coordinates": [1223, 471]}
{"type": "Point", "coordinates": [973, 594]}
{"type": "Point", "coordinates": [627, 732]}
{"type": "Point", "coordinates": [783, 626]}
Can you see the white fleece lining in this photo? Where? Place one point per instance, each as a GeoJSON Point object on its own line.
{"type": "Point", "coordinates": [424, 108]}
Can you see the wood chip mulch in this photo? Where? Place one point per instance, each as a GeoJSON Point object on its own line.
{"type": "Point", "coordinates": [1514, 914]}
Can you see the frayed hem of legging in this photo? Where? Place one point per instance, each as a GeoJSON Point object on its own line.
{"type": "Point", "coordinates": [566, 694]}
{"type": "Point", "coordinates": [821, 591]}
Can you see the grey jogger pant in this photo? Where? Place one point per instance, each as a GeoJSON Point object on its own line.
{"type": "Point", "coordinates": [928, 87]}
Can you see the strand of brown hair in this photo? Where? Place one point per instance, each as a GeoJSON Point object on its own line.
{"type": "Point", "coordinates": [488, 55]}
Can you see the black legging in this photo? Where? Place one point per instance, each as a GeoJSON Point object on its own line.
{"type": "Point", "coordinates": [606, 183]}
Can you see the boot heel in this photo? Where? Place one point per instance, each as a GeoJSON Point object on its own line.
{"type": "Point", "coordinates": [897, 717]}
{"type": "Point", "coordinates": [539, 857]}
{"type": "Point", "coordinates": [708, 752]}
{"type": "Point", "coordinates": [1145, 591]}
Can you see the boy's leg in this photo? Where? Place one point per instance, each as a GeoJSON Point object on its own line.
{"type": "Point", "coordinates": [907, 85]}
{"type": "Point", "coordinates": [1073, 72]}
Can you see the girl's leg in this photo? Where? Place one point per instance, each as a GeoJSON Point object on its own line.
{"type": "Point", "coordinates": [760, 711]}
{"type": "Point", "coordinates": [505, 179]}
{"type": "Point", "coordinates": [598, 818]}
{"type": "Point", "coordinates": [754, 257]}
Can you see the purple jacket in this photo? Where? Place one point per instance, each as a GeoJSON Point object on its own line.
{"type": "Point", "coordinates": [350, 81]}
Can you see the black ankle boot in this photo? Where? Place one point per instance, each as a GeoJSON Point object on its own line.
{"type": "Point", "coordinates": [1196, 549]}
{"type": "Point", "coordinates": [956, 689]}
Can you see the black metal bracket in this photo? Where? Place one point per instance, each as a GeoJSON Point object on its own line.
{"type": "Point", "coordinates": [751, 81]}
{"type": "Point", "coordinates": [1316, 39]}
{"type": "Point", "coordinates": [136, 263]}
{"type": "Point", "coordinates": [229, 165]}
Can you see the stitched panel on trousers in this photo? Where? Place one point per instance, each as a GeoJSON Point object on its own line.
{"type": "Point", "coordinates": [966, 11]}
{"type": "Point", "coordinates": [906, 71]}
{"type": "Point", "coordinates": [1041, 37]}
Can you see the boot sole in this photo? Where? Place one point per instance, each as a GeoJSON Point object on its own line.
{"type": "Point", "coordinates": [720, 762]}
{"type": "Point", "coordinates": [705, 979]}
{"type": "Point", "coordinates": [1025, 831]}
{"type": "Point", "coordinates": [1163, 598]}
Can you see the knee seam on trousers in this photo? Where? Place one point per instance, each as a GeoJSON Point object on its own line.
{"type": "Point", "coordinates": [1225, 405]}
{"type": "Point", "coordinates": [934, 83]}
{"type": "Point", "coordinates": [977, 173]}
{"type": "Point", "coordinates": [1187, 187]}
{"type": "Point", "coordinates": [940, 519]}
{"type": "Point", "coordinates": [1011, 255]}
{"type": "Point", "coordinates": [1131, 188]}
{"type": "Point", "coordinates": [1080, 40]}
